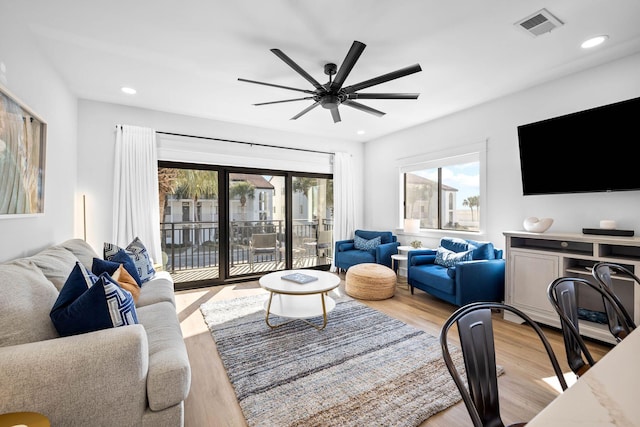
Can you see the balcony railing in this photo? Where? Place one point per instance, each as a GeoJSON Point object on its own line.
{"type": "Point", "coordinates": [196, 245]}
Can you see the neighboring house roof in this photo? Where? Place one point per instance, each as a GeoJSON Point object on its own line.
{"type": "Point", "coordinates": [417, 179]}
{"type": "Point", "coordinates": [258, 181]}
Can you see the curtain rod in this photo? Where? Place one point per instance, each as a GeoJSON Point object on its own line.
{"type": "Point", "coordinates": [246, 143]}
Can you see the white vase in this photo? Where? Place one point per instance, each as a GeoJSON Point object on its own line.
{"type": "Point", "coordinates": [536, 225]}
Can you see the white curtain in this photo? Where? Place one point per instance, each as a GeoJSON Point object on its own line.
{"type": "Point", "coordinates": [136, 211]}
{"type": "Point", "coordinates": [344, 211]}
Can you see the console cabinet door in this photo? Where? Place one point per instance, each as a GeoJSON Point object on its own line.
{"type": "Point", "coordinates": [529, 276]}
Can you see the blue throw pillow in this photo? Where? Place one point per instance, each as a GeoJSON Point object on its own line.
{"type": "Point", "coordinates": [447, 258]}
{"type": "Point", "coordinates": [454, 244]}
{"type": "Point", "coordinates": [121, 257]}
{"type": "Point", "coordinates": [482, 250]}
{"type": "Point", "coordinates": [90, 303]}
{"type": "Point", "coordinates": [100, 266]}
{"type": "Point", "coordinates": [138, 254]}
{"type": "Point", "coordinates": [364, 244]}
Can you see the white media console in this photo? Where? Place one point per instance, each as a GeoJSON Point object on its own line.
{"type": "Point", "coordinates": [534, 260]}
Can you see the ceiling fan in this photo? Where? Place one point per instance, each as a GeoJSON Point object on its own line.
{"type": "Point", "coordinates": [332, 94]}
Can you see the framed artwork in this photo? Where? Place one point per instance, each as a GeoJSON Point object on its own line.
{"type": "Point", "coordinates": [22, 158]}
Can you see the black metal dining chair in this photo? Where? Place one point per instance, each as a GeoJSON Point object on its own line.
{"type": "Point", "coordinates": [563, 295]}
{"type": "Point", "coordinates": [475, 329]}
{"type": "Point", "coordinates": [602, 272]}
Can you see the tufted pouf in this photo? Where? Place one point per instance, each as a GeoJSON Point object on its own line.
{"type": "Point", "coordinates": [370, 281]}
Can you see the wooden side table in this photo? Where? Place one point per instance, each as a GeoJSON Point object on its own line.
{"type": "Point", "coordinates": [27, 419]}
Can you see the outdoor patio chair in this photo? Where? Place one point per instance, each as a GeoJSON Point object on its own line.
{"type": "Point", "coordinates": [263, 244]}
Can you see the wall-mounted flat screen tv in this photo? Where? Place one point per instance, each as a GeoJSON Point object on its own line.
{"type": "Point", "coordinates": [589, 151]}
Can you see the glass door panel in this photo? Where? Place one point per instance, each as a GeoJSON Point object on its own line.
{"type": "Point", "coordinates": [257, 223]}
{"type": "Point", "coordinates": [189, 223]}
{"type": "Point", "coordinates": [312, 207]}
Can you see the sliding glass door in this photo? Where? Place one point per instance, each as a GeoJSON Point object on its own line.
{"type": "Point", "coordinates": [189, 226]}
{"type": "Point", "coordinates": [312, 214]}
{"type": "Point", "coordinates": [257, 223]}
{"type": "Point", "coordinates": [222, 224]}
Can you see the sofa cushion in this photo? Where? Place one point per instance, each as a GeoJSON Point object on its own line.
{"type": "Point", "coordinates": [138, 253]}
{"type": "Point", "coordinates": [82, 250]}
{"type": "Point", "coordinates": [55, 263]}
{"type": "Point", "coordinates": [447, 258]}
{"type": "Point", "coordinates": [385, 236]}
{"type": "Point", "coordinates": [482, 250]}
{"type": "Point", "coordinates": [26, 298]}
{"type": "Point", "coordinates": [158, 289]}
{"type": "Point", "coordinates": [366, 245]}
{"type": "Point", "coordinates": [89, 303]}
{"type": "Point", "coordinates": [434, 276]}
{"type": "Point", "coordinates": [358, 257]}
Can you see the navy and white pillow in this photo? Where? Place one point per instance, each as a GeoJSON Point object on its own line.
{"type": "Point", "coordinates": [447, 258]}
{"type": "Point", "coordinates": [364, 244]}
{"type": "Point", "coordinates": [138, 254]}
{"type": "Point", "coordinates": [90, 303]}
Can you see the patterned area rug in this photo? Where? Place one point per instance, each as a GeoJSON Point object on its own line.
{"type": "Point", "coordinates": [363, 369]}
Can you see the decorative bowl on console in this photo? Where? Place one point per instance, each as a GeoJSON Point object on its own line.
{"type": "Point", "coordinates": [536, 225]}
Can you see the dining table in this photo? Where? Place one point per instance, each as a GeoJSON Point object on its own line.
{"type": "Point", "coordinates": [606, 395]}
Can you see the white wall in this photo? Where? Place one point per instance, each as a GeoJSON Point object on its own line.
{"type": "Point", "coordinates": [29, 77]}
{"type": "Point", "coordinates": [503, 205]}
{"type": "Point", "coordinates": [96, 141]}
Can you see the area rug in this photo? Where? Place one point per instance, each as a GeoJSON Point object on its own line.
{"type": "Point", "coordinates": [364, 369]}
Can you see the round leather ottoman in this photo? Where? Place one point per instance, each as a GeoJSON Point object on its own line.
{"type": "Point", "coordinates": [370, 281]}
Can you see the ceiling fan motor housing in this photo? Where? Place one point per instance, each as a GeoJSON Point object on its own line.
{"type": "Point", "coordinates": [330, 101]}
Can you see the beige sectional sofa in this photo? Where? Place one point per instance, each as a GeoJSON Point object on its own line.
{"type": "Point", "coordinates": [136, 375]}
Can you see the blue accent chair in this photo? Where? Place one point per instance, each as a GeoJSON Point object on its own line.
{"type": "Point", "coordinates": [346, 254]}
{"type": "Point", "coordinates": [479, 279]}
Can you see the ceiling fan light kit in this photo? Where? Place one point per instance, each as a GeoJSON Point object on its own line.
{"type": "Point", "coordinates": [332, 94]}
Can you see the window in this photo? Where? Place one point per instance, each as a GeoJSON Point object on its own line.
{"type": "Point", "coordinates": [444, 191]}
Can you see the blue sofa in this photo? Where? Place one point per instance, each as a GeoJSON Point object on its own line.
{"type": "Point", "coordinates": [459, 271]}
{"type": "Point", "coordinates": [346, 254]}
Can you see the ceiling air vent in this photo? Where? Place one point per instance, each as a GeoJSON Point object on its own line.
{"type": "Point", "coordinates": [539, 23]}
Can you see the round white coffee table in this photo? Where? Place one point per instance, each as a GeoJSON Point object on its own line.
{"type": "Point", "coordinates": [299, 301]}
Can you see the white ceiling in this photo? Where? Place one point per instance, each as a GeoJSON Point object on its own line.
{"type": "Point", "coordinates": [186, 56]}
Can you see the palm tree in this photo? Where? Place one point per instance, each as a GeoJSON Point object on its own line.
{"type": "Point", "coordinates": [471, 202]}
{"type": "Point", "coordinates": [167, 184]}
{"type": "Point", "coordinates": [196, 184]}
{"type": "Point", "coordinates": [242, 190]}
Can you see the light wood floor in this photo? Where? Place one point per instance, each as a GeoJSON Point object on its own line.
{"type": "Point", "coordinates": [212, 403]}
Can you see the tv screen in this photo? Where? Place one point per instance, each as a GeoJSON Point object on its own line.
{"type": "Point", "coordinates": [587, 151]}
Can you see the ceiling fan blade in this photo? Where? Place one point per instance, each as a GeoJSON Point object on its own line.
{"type": "Point", "coordinates": [384, 95]}
{"type": "Point", "coordinates": [336, 115]}
{"type": "Point", "coordinates": [284, 100]}
{"type": "Point", "coordinates": [347, 65]}
{"type": "Point", "coordinates": [297, 68]}
{"type": "Point", "coordinates": [362, 107]}
{"type": "Point", "coordinates": [384, 78]}
{"type": "Point", "coordinates": [274, 85]}
{"type": "Point", "coordinates": [306, 110]}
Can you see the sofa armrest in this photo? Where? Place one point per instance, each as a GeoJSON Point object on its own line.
{"type": "Point", "coordinates": [97, 378]}
{"type": "Point", "coordinates": [384, 252]}
{"type": "Point", "coordinates": [344, 245]}
{"type": "Point", "coordinates": [481, 280]}
{"type": "Point", "coordinates": [421, 256]}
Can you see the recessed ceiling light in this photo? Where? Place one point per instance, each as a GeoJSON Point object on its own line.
{"type": "Point", "coordinates": [594, 41]}
{"type": "Point", "coordinates": [128, 90]}
{"type": "Point", "coordinates": [360, 132]}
